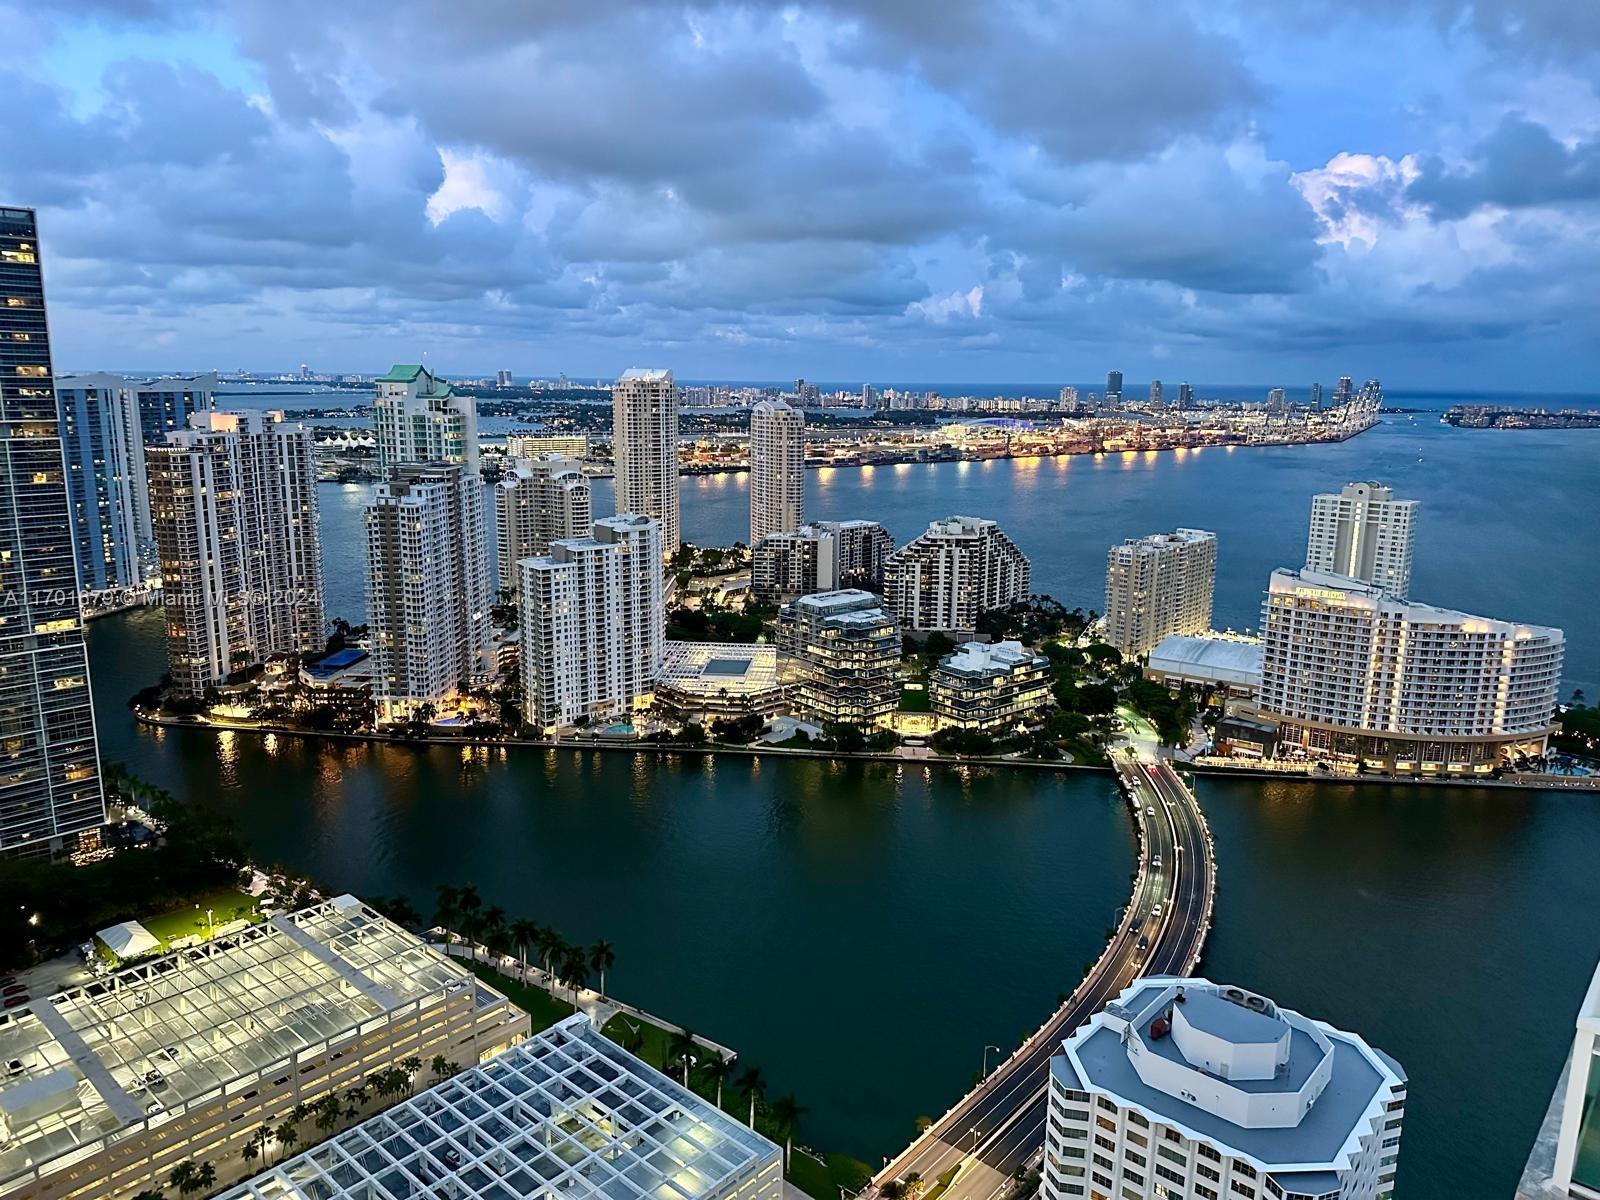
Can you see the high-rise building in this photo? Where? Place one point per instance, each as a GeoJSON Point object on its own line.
{"type": "Point", "coordinates": [1277, 399]}
{"type": "Point", "coordinates": [427, 586]}
{"type": "Point", "coordinates": [991, 687]}
{"type": "Point", "coordinates": [566, 1113]}
{"type": "Point", "coordinates": [419, 418]}
{"type": "Point", "coordinates": [1351, 672]}
{"type": "Point", "coordinates": [1185, 396]}
{"type": "Point", "coordinates": [234, 499]}
{"type": "Point", "coordinates": [822, 556]}
{"type": "Point", "coordinates": [1345, 390]}
{"type": "Point", "coordinates": [1157, 586]}
{"type": "Point", "coordinates": [1067, 401]}
{"type": "Point", "coordinates": [532, 445]}
{"type": "Point", "coordinates": [1155, 393]}
{"type": "Point", "coordinates": [502, 379]}
{"type": "Point", "coordinates": [102, 443]}
{"type": "Point", "coordinates": [592, 624]}
{"type": "Point", "coordinates": [1113, 388]}
{"type": "Point", "coordinates": [1316, 395]}
{"type": "Point", "coordinates": [644, 446]}
{"type": "Point", "coordinates": [1184, 1087]}
{"type": "Point", "coordinates": [50, 791]}
{"type": "Point", "coordinates": [777, 469]}
{"type": "Point", "coordinates": [949, 576]}
{"type": "Point", "coordinates": [1365, 533]}
{"type": "Point", "coordinates": [166, 404]}
{"type": "Point", "coordinates": [189, 1056]}
{"type": "Point", "coordinates": [537, 501]}
{"type": "Point", "coordinates": [844, 650]}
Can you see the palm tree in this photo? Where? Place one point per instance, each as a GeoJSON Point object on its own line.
{"type": "Point", "coordinates": [524, 932]}
{"type": "Point", "coordinates": [680, 1052]}
{"type": "Point", "coordinates": [359, 1094]}
{"type": "Point", "coordinates": [261, 1139]}
{"type": "Point", "coordinates": [328, 1112]}
{"type": "Point", "coordinates": [750, 1084]}
{"type": "Point", "coordinates": [205, 1178]}
{"type": "Point", "coordinates": [447, 910]}
{"type": "Point", "coordinates": [287, 1136]}
{"type": "Point", "coordinates": [602, 958]}
{"type": "Point", "coordinates": [412, 1067]}
{"type": "Point", "coordinates": [717, 1069]}
{"type": "Point", "coordinates": [492, 927]}
{"type": "Point", "coordinates": [185, 1177]}
{"type": "Point", "coordinates": [786, 1111]}
{"type": "Point", "coordinates": [470, 902]}
{"type": "Point", "coordinates": [150, 1194]}
{"type": "Point", "coordinates": [547, 942]}
{"type": "Point", "coordinates": [440, 1066]}
{"type": "Point", "coordinates": [574, 968]}
{"type": "Point", "coordinates": [250, 1151]}
{"type": "Point", "coordinates": [914, 1184]}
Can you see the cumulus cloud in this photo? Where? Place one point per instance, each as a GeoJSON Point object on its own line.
{"type": "Point", "coordinates": [746, 187]}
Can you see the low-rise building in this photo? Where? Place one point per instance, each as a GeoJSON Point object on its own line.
{"type": "Point", "coordinates": [185, 1057]}
{"type": "Point", "coordinates": [705, 680]}
{"type": "Point", "coordinates": [1230, 665]}
{"type": "Point", "coordinates": [989, 687]}
{"type": "Point", "coordinates": [1184, 1087]}
{"type": "Point", "coordinates": [843, 649]}
{"type": "Point", "coordinates": [566, 1113]}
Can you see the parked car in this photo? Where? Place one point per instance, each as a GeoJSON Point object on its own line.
{"type": "Point", "coordinates": [12, 989]}
{"type": "Point", "coordinates": [16, 1001]}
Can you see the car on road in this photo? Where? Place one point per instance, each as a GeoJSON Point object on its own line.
{"type": "Point", "coordinates": [1155, 913]}
{"type": "Point", "coordinates": [1155, 863]}
{"type": "Point", "coordinates": [16, 1001]}
{"type": "Point", "coordinates": [1144, 942]}
{"type": "Point", "coordinates": [12, 989]}
{"type": "Point", "coordinates": [1150, 810]}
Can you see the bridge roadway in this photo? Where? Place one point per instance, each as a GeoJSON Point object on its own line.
{"type": "Point", "coordinates": [999, 1126]}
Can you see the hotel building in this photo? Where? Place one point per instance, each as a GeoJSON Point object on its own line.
{"type": "Point", "coordinates": [538, 501]}
{"type": "Point", "coordinates": [50, 790]}
{"type": "Point", "coordinates": [427, 586]}
{"type": "Point", "coordinates": [186, 1057]}
{"type": "Point", "coordinates": [777, 469]}
{"type": "Point", "coordinates": [844, 652]}
{"type": "Point", "coordinates": [1183, 1087]}
{"type": "Point", "coordinates": [234, 502]}
{"type": "Point", "coordinates": [1157, 586]}
{"type": "Point", "coordinates": [1350, 671]}
{"type": "Point", "coordinates": [644, 448]}
{"type": "Point", "coordinates": [989, 687]}
{"type": "Point", "coordinates": [1365, 533]}
{"type": "Point", "coordinates": [948, 577]}
{"type": "Point", "coordinates": [592, 624]}
{"type": "Point", "coordinates": [567, 1112]}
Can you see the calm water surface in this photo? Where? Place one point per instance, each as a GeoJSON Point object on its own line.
{"type": "Point", "coordinates": [861, 932]}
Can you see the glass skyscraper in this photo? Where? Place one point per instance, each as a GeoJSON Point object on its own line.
{"type": "Point", "coordinates": [49, 768]}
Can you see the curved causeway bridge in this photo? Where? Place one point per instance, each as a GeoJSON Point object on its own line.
{"type": "Point", "coordinates": [999, 1125]}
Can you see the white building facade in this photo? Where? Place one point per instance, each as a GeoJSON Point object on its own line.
{"type": "Point", "coordinates": [1157, 586]}
{"type": "Point", "coordinates": [427, 587]}
{"type": "Point", "coordinates": [644, 447]}
{"type": "Point", "coordinates": [1351, 672]}
{"type": "Point", "coordinates": [989, 687]}
{"type": "Point", "coordinates": [538, 501]}
{"type": "Point", "coordinates": [593, 624]}
{"type": "Point", "coordinates": [777, 469]}
{"type": "Point", "coordinates": [949, 576]}
{"type": "Point", "coordinates": [234, 504]}
{"type": "Point", "coordinates": [419, 418]}
{"type": "Point", "coordinates": [1362, 531]}
{"type": "Point", "coordinates": [1184, 1087]}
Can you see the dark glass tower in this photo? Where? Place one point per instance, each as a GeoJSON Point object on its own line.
{"type": "Point", "coordinates": [49, 767]}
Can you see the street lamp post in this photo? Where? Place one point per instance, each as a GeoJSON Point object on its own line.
{"type": "Point", "coordinates": [986, 1050]}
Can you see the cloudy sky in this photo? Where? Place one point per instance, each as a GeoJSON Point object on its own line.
{"type": "Point", "coordinates": [1233, 190]}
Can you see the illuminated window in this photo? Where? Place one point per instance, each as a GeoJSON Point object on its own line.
{"type": "Point", "coordinates": [17, 256]}
{"type": "Point", "coordinates": [32, 371]}
{"type": "Point", "coordinates": [16, 302]}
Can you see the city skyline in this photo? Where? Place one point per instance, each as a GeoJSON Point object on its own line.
{"type": "Point", "coordinates": [321, 198]}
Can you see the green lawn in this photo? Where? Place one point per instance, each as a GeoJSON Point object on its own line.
{"type": "Point", "coordinates": [226, 904]}
{"type": "Point", "coordinates": [543, 1008]}
{"type": "Point", "coordinates": [824, 1181]}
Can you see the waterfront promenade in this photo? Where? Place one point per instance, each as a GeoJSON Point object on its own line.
{"type": "Point", "coordinates": [998, 1126]}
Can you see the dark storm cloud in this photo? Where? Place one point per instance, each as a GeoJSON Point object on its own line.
{"type": "Point", "coordinates": [1518, 165]}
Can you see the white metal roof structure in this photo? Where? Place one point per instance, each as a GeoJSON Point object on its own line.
{"type": "Point", "coordinates": [566, 1113]}
{"type": "Point", "coordinates": [95, 1064]}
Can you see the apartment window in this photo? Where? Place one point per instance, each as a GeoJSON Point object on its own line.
{"type": "Point", "coordinates": [1243, 1188]}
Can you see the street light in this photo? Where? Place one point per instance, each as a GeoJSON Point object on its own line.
{"type": "Point", "coordinates": [986, 1050]}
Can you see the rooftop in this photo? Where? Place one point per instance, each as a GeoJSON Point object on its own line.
{"type": "Point", "coordinates": [1215, 656]}
{"type": "Point", "coordinates": [845, 600]}
{"type": "Point", "coordinates": [648, 374]}
{"type": "Point", "coordinates": [719, 666]}
{"type": "Point", "coordinates": [981, 658]}
{"type": "Point", "coordinates": [136, 1048]}
{"type": "Point", "coordinates": [1320, 585]}
{"type": "Point", "coordinates": [1360, 1080]}
{"type": "Point", "coordinates": [565, 1113]}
